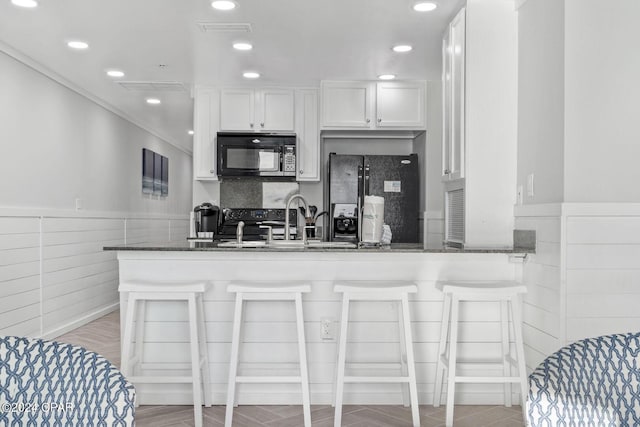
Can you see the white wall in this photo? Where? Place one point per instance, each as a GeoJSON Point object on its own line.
{"type": "Point", "coordinates": [491, 122]}
{"type": "Point", "coordinates": [602, 89]}
{"type": "Point", "coordinates": [541, 99]}
{"type": "Point", "coordinates": [56, 146]}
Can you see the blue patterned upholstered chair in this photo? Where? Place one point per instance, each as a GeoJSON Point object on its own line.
{"type": "Point", "coordinates": [592, 382]}
{"type": "Point", "coordinates": [46, 383]}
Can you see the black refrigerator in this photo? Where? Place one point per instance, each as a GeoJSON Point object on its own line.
{"type": "Point", "coordinates": [351, 177]}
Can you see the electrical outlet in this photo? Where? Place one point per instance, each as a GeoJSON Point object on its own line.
{"type": "Point", "coordinates": [326, 329]}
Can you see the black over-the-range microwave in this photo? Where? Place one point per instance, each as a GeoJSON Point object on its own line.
{"type": "Point", "coordinates": [256, 154]}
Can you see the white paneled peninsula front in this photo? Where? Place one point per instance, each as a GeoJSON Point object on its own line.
{"type": "Point", "coordinates": [269, 335]}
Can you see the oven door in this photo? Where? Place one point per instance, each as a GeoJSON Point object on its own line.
{"type": "Point", "coordinates": [249, 155]}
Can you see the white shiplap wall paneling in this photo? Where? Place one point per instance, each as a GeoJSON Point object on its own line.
{"type": "Point", "coordinates": [20, 276]}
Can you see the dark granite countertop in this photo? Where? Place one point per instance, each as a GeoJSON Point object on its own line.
{"type": "Point", "coordinates": [213, 247]}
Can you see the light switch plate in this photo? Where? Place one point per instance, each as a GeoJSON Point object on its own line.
{"type": "Point", "coordinates": [530, 188]}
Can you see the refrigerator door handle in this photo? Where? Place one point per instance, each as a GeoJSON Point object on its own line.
{"type": "Point", "coordinates": [361, 193]}
{"type": "Point", "coordinates": [366, 181]}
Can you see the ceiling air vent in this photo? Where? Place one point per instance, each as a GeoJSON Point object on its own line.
{"type": "Point", "coordinates": [224, 27]}
{"type": "Point", "coordinates": [154, 86]}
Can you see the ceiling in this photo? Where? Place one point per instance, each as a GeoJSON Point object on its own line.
{"type": "Point", "coordinates": [295, 42]}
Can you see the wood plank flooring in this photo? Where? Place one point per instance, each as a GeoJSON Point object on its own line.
{"type": "Point", "coordinates": [103, 337]}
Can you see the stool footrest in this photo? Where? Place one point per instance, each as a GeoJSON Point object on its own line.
{"type": "Point", "coordinates": [374, 379]}
{"type": "Point", "coordinates": [268, 379]}
{"type": "Point", "coordinates": [488, 379]}
{"type": "Point", "coordinates": [160, 380]}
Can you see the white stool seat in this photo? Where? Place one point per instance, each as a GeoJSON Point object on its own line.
{"type": "Point", "coordinates": [154, 287]}
{"type": "Point", "coordinates": [138, 293]}
{"type": "Point", "coordinates": [268, 291]}
{"type": "Point", "coordinates": [508, 294]}
{"type": "Point", "coordinates": [386, 291]}
{"type": "Point", "coordinates": [473, 288]}
{"type": "Point", "coordinates": [266, 287]}
{"type": "Point", "coordinates": [375, 286]}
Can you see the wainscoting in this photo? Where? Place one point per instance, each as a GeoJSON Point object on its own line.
{"type": "Point", "coordinates": [584, 279]}
{"type": "Point", "coordinates": [54, 275]}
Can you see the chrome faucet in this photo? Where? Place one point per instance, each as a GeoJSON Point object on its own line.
{"type": "Point", "coordinates": [286, 215]}
{"type": "Point", "coordinates": [239, 232]}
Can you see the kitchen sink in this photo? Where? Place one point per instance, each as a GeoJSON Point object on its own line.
{"type": "Point", "coordinates": [247, 244]}
{"type": "Point", "coordinates": [293, 244]}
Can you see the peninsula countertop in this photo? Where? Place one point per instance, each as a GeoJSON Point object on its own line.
{"type": "Point", "coordinates": [394, 247]}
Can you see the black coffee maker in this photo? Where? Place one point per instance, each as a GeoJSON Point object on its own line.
{"type": "Point", "coordinates": [206, 218]}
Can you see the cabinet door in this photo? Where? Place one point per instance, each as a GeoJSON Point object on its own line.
{"type": "Point", "coordinates": [308, 150]}
{"type": "Point", "coordinates": [346, 104]}
{"type": "Point", "coordinates": [275, 109]}
{"type": "Point", "coordinates": [205, 129]}
{"type": "Point", "coordinates": [401, 104]}
{"type": "Point", "coordinates": [457, 95]}
{"type": "Point", "coordinates": [237, 108]}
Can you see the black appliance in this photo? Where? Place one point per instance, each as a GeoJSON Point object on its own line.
{"type": "Point", "coordinates": [253, 219]}
{"type": "Point", "coordinates": [351, 177]}
{"type": "Point", "coordinates": [256, 154]}
{"type": "Point", "coordinates": [206, 218]}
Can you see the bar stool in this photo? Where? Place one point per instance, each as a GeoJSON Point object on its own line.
{"type": "Point", "coordinates": [191, 293]}
{"type": "Point", "coordinates": [281, 291]}
{"type": "Point", "coordinates": [507, 293]}
{"type": "Point", "coordinates": [378, 291]}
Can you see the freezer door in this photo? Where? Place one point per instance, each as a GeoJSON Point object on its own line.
{"type": "Point", "coordinates": [343, 178]}
{"type": "Point", "coordinates": [396, 178]}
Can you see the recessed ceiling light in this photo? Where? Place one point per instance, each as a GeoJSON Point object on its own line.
{"type": "Point", "coordinates": [190, 132]}
{"type": "Point", "coordinates": [402, 48]}
{"type": "Point", "coordinates": [223, 4]}
{"type": "Point", "coordinates": [77, 44]}
{"type": "Point", "coordinates": [425, 6]}
{"type": "Point", "coordinates": [115, 73]}
{"type": "Point", "coordinates": [250, 75]}
{"type": "Point", "coordinates": [153, 101]}
{"type": "Point", "coordinates": [242, 46]}
{"type": "Point", "coordinates": [25, 3]}
{"type": "Point", "coordinates": [387, 76]}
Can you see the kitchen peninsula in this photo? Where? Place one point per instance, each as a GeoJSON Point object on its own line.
{"type": "Point", "coordinates": [269, 334]}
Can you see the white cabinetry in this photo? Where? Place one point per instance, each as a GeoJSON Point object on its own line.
{"type": "Point", "coordinates": [453, 81]}
{"type": "Point", "coordinates": [206, 125]}
{"type": "Point", "coordinates": [257, 110]}
{"type": "Point", "coordinates": [308, 135]}
{"type": "Point", "coordinates": [480, 124]}
{"type": "Point", "coordinates": [371, 105]}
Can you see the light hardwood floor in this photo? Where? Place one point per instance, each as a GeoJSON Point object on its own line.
{"type": "Point", "coordinates": [103, 337]}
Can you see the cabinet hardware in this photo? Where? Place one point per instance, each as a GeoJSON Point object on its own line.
{"type": "Point", "coordinates": [379, 120]}
{"type": "Point", "coordinates": [250, 125]}
{"type": "Point", "coordinates": [368, 120]}
{"type": "Point", "coordinates": [446, 171]}
{"type": "Point", "coordinates": [262, 124]}
{"type": "Point", "coordinates": [211, 171]}
{"type": "Point", "coordinates": [301, 171]}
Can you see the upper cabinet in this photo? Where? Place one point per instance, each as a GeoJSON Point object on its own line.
{"type": "Point", "coordinates": [370, 105]}
{"type": "Point", "coordinates": [257, 110]}
{"type": "Point", "coordinates": [453, 81]}
{"type": "Point", "coordinates": [206, 126]}
{"type": "Point", "coordinates": [308, 135]}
